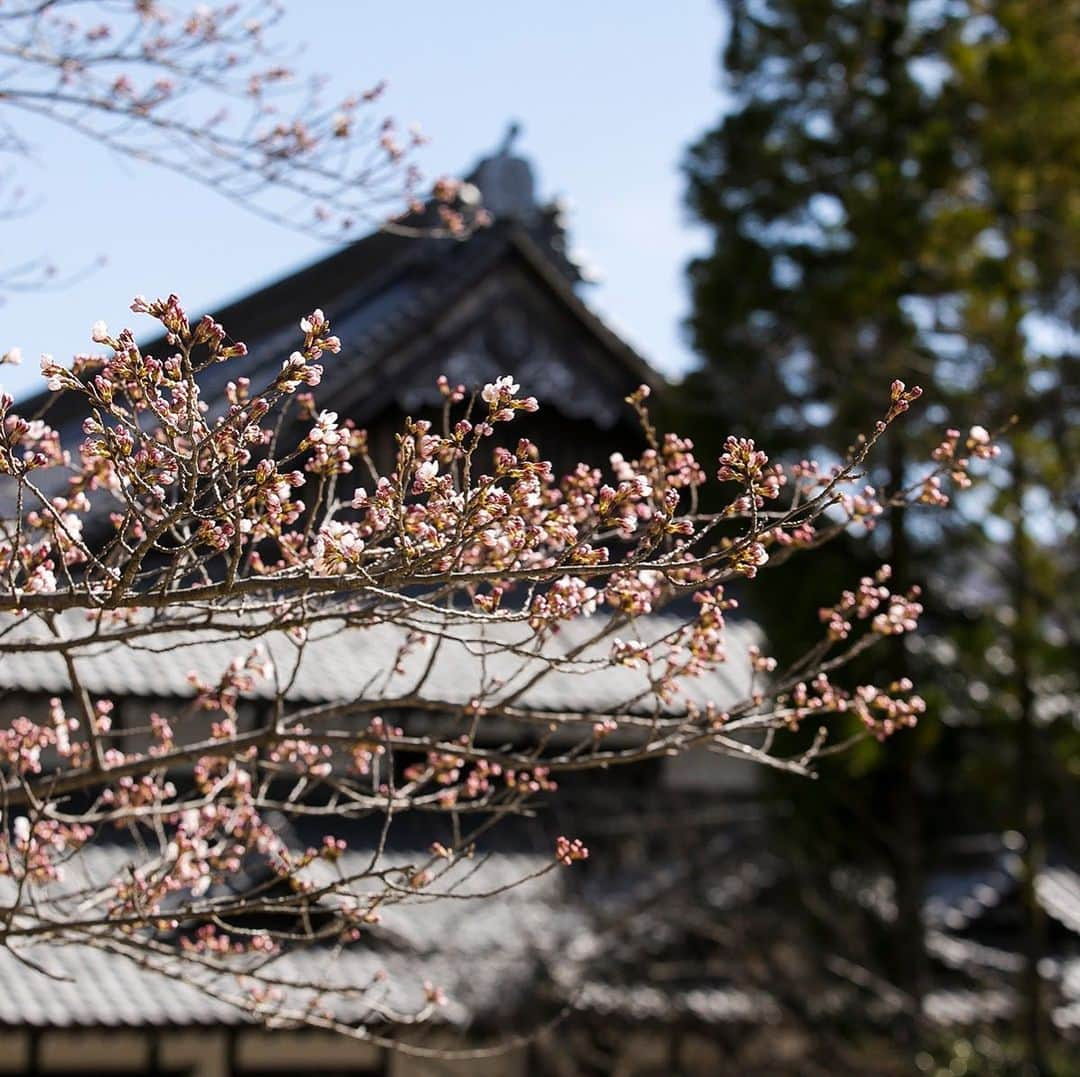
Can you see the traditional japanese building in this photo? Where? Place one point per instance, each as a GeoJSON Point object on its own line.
{"type": "Point", "coordinates": [671, 953]}
{"type": "Point", "coordinates": [413, 302]}
{"type": "Point", "coordinates": [505, 300]}
{"type": "Point", "coordinates": [409, 304]}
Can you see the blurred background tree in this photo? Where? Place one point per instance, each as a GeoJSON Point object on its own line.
{"type": "Point", "coordinates": [893, 191]}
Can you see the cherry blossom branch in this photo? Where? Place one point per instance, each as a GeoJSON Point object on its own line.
{"type": "Point", "coordinates": [243, 533]}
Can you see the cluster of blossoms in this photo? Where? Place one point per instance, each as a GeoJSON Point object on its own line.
{"type": "Point", "coordinates": [955, 462]}
{"type": "Point", "coordinates": [567, 850]}
{"type": "Point", "coordinates": [890, 614]}
{"type": "Point", "coordinates": [440, 767]}
{"type": "Point", "coordinates": [900, 399]}
{"type": "Point", "coordinates": [567, 598]}
{"type": "Point", "coordinates": [333, 447]}
{"type": "Point", "coordinates": [370, 747]}
{"type": "Point", "coordinates": [744, 463]}
{"type": "Point", "coordinates": [30, 444]}
{"type": "Point", "coordinates": [883, 711]}
{"type": "Point", "coordinates": [210, 940]}
{"type": "Point", "coordinates": [533, 780]}
{"type": "Point", "coordinates": [501, 397]}
{"type": "Point", "coordinates": [634, 593]}
{"type": "Point", "coordinates": [761, 663]}
{"type": "Point", "coordinates": [458, 779]}
{"type": "Point", "coordinates": [176, 515]}
{"type": "Point", "coordinates": [200, 89]}
{"type": "Point", "coordinates": [630, 652]}
{"type": "Point", "coordinates": [205, 846]}
{"type": "Point", "coordinates": [36, 851]}
{"type": "Point", "coordinates": [301, 755]}
{"type": "Point", "coordinates": [24, 741]}
{"type": "Point", "coordinates": [694, 649]}
{"type": "Point", "coordinates": [240, 677]}
{"type": "Point", "coordinates": [748, 557]}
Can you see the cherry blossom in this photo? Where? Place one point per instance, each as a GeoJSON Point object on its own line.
{"type": "Point", "coordinates": [183, 520]}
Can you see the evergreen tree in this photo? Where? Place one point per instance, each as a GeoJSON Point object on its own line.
{"type": "Point", "coordinates": [893, 193]}
{"type": "Point", "coordinates": [1007, 237]}
{"type": "Point", "coordinates": [813, 186]}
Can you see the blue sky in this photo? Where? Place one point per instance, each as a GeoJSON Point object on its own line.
{"type": "Point", "coordinates": [609, 93]}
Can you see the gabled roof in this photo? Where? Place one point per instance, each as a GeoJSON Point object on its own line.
{"type": "Point", "coordinates": [401, 305]}
{"type": "Point", "coordinates": [398, 303]}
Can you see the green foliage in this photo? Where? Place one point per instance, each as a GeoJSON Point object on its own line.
{"type": "Point", "coordinates": [894, 191]}
{"type": "Point", "coordinates": [812, 186]}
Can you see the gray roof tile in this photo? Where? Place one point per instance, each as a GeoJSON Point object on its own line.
{"type": "Point", "coordinates": [342, 663]}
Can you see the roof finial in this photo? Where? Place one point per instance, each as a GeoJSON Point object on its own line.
{"type": "Point", "coordinates": [506, 180]}
{"type": "Point", "coordinates": [513, 129]}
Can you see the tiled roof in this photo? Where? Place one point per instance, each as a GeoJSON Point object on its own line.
{"type": "Point", "coordinates": [958, 898]}
{"type": "Point", "coordinates": [341, 663]}
{"type": "Point", "coordinates": [483, 951]}
{"type": "Point", "coordinates": [500, 952]}
{"type": "Point", "coordinates": [966, 1007]}
{"type": "Point", "coordinates": [966, 954]}
{"type": "Point", "coordinates": [380, 293]}
{"type": "Point", "coordinates": [708, 1005]}
{"type": "Point", "coordinates": [1058, 891]}
{"type": "Point", "coordinates": [394, 322]}
{"type": "Point", "coordinates": [80, 986]}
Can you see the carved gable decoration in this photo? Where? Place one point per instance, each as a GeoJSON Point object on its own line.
{"type": "Point", "coordinates": [514, 334]}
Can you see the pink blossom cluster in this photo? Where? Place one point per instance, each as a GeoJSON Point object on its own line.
{"type": "Point", "coordinates": [183, 515]}
{"type": "Point", "coordinates": [23, 742]}
{"type": "Point", "coordinates": [569, 850]}
{"type": "Point", "coordinates": [744, 463]}
{"type": "Point", "coordinates": [954, 463]}
{"type": "Point", "coordinates": [201, 89]}
{"type": "Point", "coordinates": [36, 850]}
{"type": "Point", "coordinates": [889, 614]}
{"type": "Point", "coordinates": [883, 711]}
